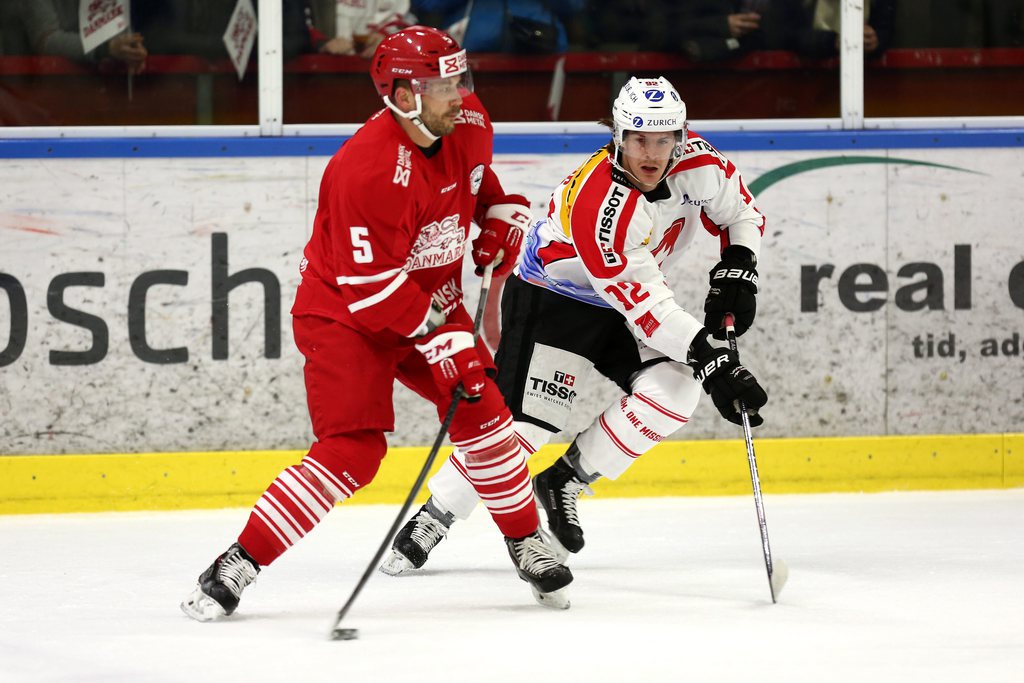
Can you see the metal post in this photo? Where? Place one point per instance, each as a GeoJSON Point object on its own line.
{"type": "Point", "coordinates": [851, 64]}
{"type": "Point", "coordinates": [270, 37]}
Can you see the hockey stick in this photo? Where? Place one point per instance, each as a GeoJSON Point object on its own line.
{"type": "Point", "coordinates": [778, 572]}
{"type": "Point", "coordinates": [338, 633]}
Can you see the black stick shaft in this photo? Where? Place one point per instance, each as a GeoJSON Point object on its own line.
{"type": "Point", "coordinates": [438, 442]}
{"type": "Point", "coordinates": [762, 523]}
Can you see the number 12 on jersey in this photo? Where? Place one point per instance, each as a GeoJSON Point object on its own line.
{"type": "Point", "coordinates": [629, 294]}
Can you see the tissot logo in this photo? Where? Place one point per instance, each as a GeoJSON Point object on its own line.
{"type": "Point", "coordinates": [557, 389]}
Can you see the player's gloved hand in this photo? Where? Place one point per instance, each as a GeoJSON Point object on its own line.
{"type": "Point", "coordinates": [501, 235]}
{"type": "Point", "coordinates": [451, 353]}
{"type": "Point", "coordinates": [733, 290]}
{"type": "Point", "coordinates": [726, 381]}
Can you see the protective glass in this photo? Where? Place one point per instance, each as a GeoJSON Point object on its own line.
{"type": "Point", "coordinates": [448, 88]}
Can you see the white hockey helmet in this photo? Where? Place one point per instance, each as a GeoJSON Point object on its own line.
{"type": "Point", "coordinates": [648, 105]}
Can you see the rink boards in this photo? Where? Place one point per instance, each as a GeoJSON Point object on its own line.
{"type": "Point", "coordinates": [145, 288]}
{"type": "Point", "coordinates": [169, 481]}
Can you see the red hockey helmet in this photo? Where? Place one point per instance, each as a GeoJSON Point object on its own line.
{"type": "Point", "coordinates": [419, 54]}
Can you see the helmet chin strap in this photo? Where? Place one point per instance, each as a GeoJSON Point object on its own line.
{"type": "Point", "coordinates": [413, 116]}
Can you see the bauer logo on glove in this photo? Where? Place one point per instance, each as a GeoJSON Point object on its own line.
{"type": "Point", "coordinates": [733, 289]}
{"type": "Point", "coordinates": [727, 382]}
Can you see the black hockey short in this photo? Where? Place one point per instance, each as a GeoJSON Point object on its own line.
{"type": "Point", "coordinates": [548, 341]}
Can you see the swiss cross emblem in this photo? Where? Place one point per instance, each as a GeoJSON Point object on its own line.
{"type": "Point", "coordinates": [565, 378]}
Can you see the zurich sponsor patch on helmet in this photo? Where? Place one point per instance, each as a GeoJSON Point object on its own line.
{"type": "Point", "coordinates": [638, 121]}
{"type": "Point", "coordinates": [654, 95]}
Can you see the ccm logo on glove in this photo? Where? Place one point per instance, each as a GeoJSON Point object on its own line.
{"type": "Point", "coordinates": [451, 353]}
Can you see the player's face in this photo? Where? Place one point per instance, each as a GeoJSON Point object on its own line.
{"type": "Point", "coordinates": [442, 102]}
{"type": "Point", "coordinates": [646, 155]}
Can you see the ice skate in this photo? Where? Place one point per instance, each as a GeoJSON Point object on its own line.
{"type": "Point", "coordinates": [536, 564]}
{"type": "Point", "coordinates": [414, 542]}
{"type": "Point", "coordinates": [220, 586]}
{"type": "Point", "coordinates": [557, 488]}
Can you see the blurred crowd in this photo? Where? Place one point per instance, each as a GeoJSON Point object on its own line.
{"type": "Point", "coordinates": [703, 30]}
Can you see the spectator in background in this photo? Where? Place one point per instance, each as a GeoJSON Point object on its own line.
{"type": "Point", "coordinates": [514, 26]}
{"type": "Point", "coordinates": [713, 30]}
{"type": "Point", "coordinates": [718, 29]}
{"type": "Point", "coordinates": [51, 28]}
{"type": "Point", "coordinates": [196, 27]}
{"type": "Point", "coordinates": [1003, 22]}
{"type": "Point", "coordinates": [357, 26]}
{"type": "Point", "coordinates": [816, 34]}
{"type": "Point", "coordinates": [705, 30]}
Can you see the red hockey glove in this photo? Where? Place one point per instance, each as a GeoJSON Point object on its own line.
{"type": "Point", "coordinates": [451, 353]}
{"type": "Point", "coordinates": [501, 235]}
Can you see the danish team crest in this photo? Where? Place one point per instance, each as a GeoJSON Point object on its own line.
{"type": "Point", "coordinates": [476, 177]}
{"type": "Point", "coordinates": [439, 243]}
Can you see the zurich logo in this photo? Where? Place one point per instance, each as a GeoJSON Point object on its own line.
{"type": "Point", "coordinates": [654, 95]}
{"type": "Point", "coordinates": [638, 122]}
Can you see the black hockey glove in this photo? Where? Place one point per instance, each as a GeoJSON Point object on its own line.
{"type": "Point", "coordinates": [726, 381]}
{"type": "Point", "coordinates": [733, 290]}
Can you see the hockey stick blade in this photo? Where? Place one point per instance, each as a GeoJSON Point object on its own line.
{"type": "Point", "coordinates": [777, 578]}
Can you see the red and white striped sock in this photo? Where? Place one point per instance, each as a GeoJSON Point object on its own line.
{"type": "Point", "coordinates": [495, 463]}
{"type": "Point", "coordinates": [289, 509]}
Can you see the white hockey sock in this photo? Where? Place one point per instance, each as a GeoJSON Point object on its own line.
{"type": "Point", "coordinates": [625, 431]}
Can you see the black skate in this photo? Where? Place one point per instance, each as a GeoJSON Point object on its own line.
{"type": "Point", "coordinates": [413, 543]}
{"type": "Point", "coordinates": [557, 489]}
{"type": "Point", "coordinates": [220, 586]}
{"type": "Point", "coordinates": [536, 564]}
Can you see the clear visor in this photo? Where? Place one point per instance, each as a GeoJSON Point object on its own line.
{"type": "Point", "coordinates": [448, 88]}
{"type": "Point", "coordinates": [658, 145]}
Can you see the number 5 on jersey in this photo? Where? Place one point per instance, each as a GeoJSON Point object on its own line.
{"type": "Point", "coordinates": [362, 250]}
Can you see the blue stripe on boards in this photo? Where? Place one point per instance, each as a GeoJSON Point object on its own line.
{"type": "Point", "coordinates": [126, 148]}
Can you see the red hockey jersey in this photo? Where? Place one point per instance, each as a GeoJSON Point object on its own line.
{"type": "Point", "coordinates": [392, 223]}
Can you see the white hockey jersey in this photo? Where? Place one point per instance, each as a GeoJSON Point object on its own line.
{"type": "Point", "coordinates": [604, 242]}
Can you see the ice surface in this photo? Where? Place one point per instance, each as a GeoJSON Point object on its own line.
{"type": "Point", "coordinates": [883, 587]}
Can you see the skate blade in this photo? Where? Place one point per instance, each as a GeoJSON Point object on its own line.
{"type": "Point", "coordinates": [395, 564]}
{"type": "Point", "coordinates": [558, 599]}
{"type": "Point", "coordinates": [202, 607]}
